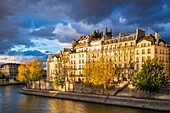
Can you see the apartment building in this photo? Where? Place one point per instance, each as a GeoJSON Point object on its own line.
{"type": "Point", "coordinates": [149, 47]}
{"type": "Point", "coordinates": [10, 70]}
{"type": "Point", "coordinates": [128, 52]}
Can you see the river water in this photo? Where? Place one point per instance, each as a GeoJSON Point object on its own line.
{"type": "Point", "coordinates": [11, 101]}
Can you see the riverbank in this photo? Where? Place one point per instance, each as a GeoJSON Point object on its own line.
{"type": "Point", "coordinates": [16, 83]}
{"type": "Point", "coordinates": [154, 104]}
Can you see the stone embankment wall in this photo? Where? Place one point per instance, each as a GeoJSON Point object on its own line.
{"type": "Point", "coordinates": [123, 89]}
{"type": "Point", "coordinates": [163, 105]}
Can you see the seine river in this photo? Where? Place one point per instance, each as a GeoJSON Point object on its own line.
{"type": "Point", "coordinates": [11, 101]}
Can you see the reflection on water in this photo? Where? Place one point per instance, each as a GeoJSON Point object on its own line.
{"type": "Point", "coordinates": [14, 102]}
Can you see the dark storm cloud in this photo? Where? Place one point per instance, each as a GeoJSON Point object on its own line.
{"type": "Point", "coordinates": [34, 53]}
{"type": "Point", "coordinates": [15, 15]}
{"type": "Point", "coordinates": [26, 53]}
{"type": "Point", "coordinates": [45, 31]}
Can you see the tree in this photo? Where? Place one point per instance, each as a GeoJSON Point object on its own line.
{"type": "Point", "coordinates": [64, 59]}
{"type": "Point", "coordinates": [2, 76]}
{"type": "Point", "coordinates": [56, 82]}
{"type": "Point", "coordinates": [151, 77]}
{"type": "Point", "coordinates": [100, 73]}
{"type": "Point", "coordinates": [87, 71]}
{"type": "Point", "coordinates": [30, 71]}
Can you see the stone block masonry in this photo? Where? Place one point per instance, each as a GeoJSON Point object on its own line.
{"type": "Point", "coordinates": [154, 104]}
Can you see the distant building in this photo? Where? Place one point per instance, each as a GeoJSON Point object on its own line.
{"type": "Point", "coordinates": [128, 52]}
{"type": "Point", "coordinates": [9, 69]}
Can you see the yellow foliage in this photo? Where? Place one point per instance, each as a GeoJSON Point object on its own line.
{"type": "Point", "coordinates": [30, 70]}
{"type": "Point", "coordinates": [100, 73]}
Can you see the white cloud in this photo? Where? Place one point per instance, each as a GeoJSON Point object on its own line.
{"type": "Point", "coordinates": [122, 20]}
{"type": "Point", "coordinates": [62, 44]}
{"type": "Point", "coordinates": [65, 30]}
{"type": "Point", "coordinates": [14, 59]}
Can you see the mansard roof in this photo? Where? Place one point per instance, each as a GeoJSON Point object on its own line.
{"type": "Point", "coordinates": [150, 38]}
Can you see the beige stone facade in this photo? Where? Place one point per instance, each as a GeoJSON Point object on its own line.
{"type": "Point", "coordinates": [10, 70]}
{"type": "Point", "coordinates": [128, 52]}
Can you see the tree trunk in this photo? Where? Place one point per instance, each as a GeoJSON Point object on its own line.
{"type": "Point", "coordinates": [103, 89]}
{"type": "Point", "coordinates": [65, 85]}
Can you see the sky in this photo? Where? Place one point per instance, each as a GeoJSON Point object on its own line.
{"type": "Point", "coordinates": [36, 28]}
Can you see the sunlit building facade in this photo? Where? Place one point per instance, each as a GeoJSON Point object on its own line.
{"type": "Point", "coordinates": [128, 52]}
{"type": "Point", "coordinates": [10, 70]}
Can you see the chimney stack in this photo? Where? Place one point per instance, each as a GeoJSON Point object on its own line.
{"type": "Point", "coordinates": [157, 37]}
{"type": "Point", "coordinates": [139, 33]}
{"type": "Point", "coordinates": [121, 34]}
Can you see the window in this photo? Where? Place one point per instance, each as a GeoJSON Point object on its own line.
{"type": "Point", "coordinates": [160, 51]}
{"type": "Point", "coordinates": [120, 45]}
{"type": "Point", "coordinates": [137, 59]}
{"type": "Point", "coordinates": [115, 58]}
{"type": "Point", "coordinates": [79, 61]}
{"type": "Point", "coordinates": [131, 50]}
{"type": "Point", "coordinates": [79, 55]}
{"type": "Point", "coordinates": [144, 45]}
{"type": "Point", "coordinates": [162, 59]}
{"type": "Point", "coordinates": [155, 50]}
{"type": "Point", "coordinates": [125, 58]}
{"type": "Point", "coordinates": [125, 65]}
{"type": "Point", "coordinates": [120, 51]}
{"type": "Point", "coordinates": [137, 52]}
{"type": "Point", "coordinates": [82, 60]}
{"type": "Point", "coordinates": [115, 52]}
{"type": "Point", "coordinates": [120, 58]}
{"type": "Point", "coordinates": [137, 67]}
{"type": "Point", "coordinates": [126, 44]}
{"type": "Point", "coordinates": [143, 51]}
{"type": "Point", "coordinates": [131, 43]}
{"type": "Point", "coordinates": [149, 57]}
{"type": "Point", "coordinates": [125, 51]}
{"type": "Point", "coordinates": [131, 57]}
{"type": "Point", "coordinates": [143, 59]}
{"type": "Point", "coordinates": [82, 55]}
{"type": "Point", "coordinates": [149, 51]}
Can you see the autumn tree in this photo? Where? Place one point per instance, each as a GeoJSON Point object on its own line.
{"type": "Point", "coordinates": [100, 73]}
{"type": "Point", "coordinates": [87, 71]}
{"type": "Point", "coordinates": [64, 68]}
{"type": "Point", "coordinates": [30, 71]}
{"type": "Point", "coordinates": [151, 77]}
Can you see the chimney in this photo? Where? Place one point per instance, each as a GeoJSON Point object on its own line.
{"type": "Point", "coordinates": [157, 37]}
{"type": "Point", "coordinates": [73, 43]}
{"type": "Point", "coordinates": [139, 33]}
{"type": "Point", "coordinates": [121, 34]}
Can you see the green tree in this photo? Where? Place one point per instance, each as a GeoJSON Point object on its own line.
{"type": "Point", "coordinates": [151, 77]}
{"type": "Point", "coordinates": [30, 71]}
{"type": "Point", "coordinates": [2, 76]}
{"type": "Point", "coordinates": [56, 82]}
